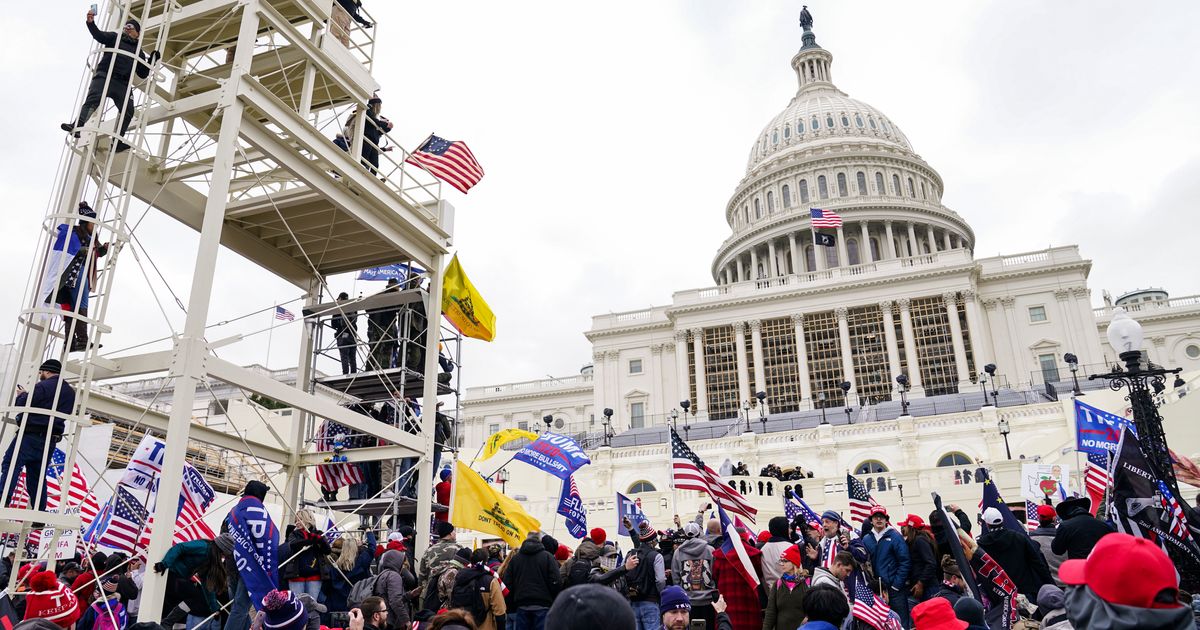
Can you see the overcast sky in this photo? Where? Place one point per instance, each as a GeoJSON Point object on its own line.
{"type": "Point", "coordinates": [613, 134]}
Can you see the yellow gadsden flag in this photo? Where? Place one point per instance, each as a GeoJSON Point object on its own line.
{"type": "Point", "coordinates": [464, 307]}
{"type": "Point", "coordinates": [475, 505]}
{"type": "Point", "coordinates": [498, 439]}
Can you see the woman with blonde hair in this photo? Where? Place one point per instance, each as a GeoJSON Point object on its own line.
{"type": "Point", "coordinates": [349, 562]}
{"type": "Point", "coordinates": [307, 550]}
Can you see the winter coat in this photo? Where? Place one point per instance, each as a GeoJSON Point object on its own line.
{"type": "Point", "coordinates": [43, 398]}
{"type": "Point", "coordinates": [493, 599]}
{"type": "Point", "coordinates": [771, 550]}
{"type": "Point", "coordinates": [822, 577]}
{"type": "Point", "coordinates": [950, 593]}
{"type": "Point", "coordinates": [1086, 610]}
{"type": "Point", "coordinates": [1020, 558]}
{"type": "Point", "coordinates": [391, 587]}
{"type": "Point", "coordinates": [311, 549]}
{"type": "Point", "coordinates": [436, 559]}
{"type": "Point", "coordinates": [744, 607]}
{"type": "Point", "coordinates": [340, 582]}
{"type": "Point", "coordinates": [889, 557]}
{"type": "Point", "coordinates": [1078, 533]}
{"type": "Point", "coordinates": [587, 552]}
{"type": "Point", "coordinates": [532, 576]}
{"type": "Point", "coordinates": [123, 66]}
{"type": "Point", "coordinates": [923, 563]}
{"type": "Point", "coordinates": [785, 606]}
{"type": "Point", "coordinates": [1044, 537]}
{"type": "Point", "coordinates": [692, 570]}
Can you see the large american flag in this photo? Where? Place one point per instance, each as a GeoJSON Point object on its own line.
{"type": "Point", "coordinates": [194, 498]}
{"type": "Point", "coordinates": [125, 518]}
{"type": "Point", "coordinates": [796, 506]}
{"type": "Point", "coordinates": [689, 472]}
{"type": "Point", "coordinates": [861, 501]}
{"type": "Point", "coordinates": [333, 476]}
{"type": "Point", "coordinates": [825, 218]}
{"type": "Point", "coordinates": [450, 161]}
{"type": "Point", "coordinates": [1095, 479]}
{"type": "Point", "coordinates": [1175, 520]}
{"type": "Point", "coordinates": [79, 494]}
{"type": "Point", "coordinates": [869, 609]}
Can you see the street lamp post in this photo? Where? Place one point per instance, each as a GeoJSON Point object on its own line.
{"type": "Point", "coordinates": [607, 422]}
{"type": "Point", "coordinates": [821, 397]}
{"type": "Point", "coordinates": [902, 380]}
{"type": "Point", "coordinates": [991, 372]}
{"type": "Point", "coordinates": [983, 387]}
{"type": "Point", "coordinates": [548, 420]}
{"type": "Point", "coordinates": [762, 410]}
{"type": "Point", "coordinates": [675, 419]}
{"type": "Point", "coordinates": [1073, 364]}
{"type": "Point", "coordinates": [746, 413]}
{"type": "Point", "coordinates": [1005, 430]}
{"type": "Point", "coordinates": [502, 479]}
{"type": "Point", "coordinates": [846, 395]}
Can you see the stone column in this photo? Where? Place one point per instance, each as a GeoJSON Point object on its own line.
{"type": "Point", "coordinates": [890, 245]}
{"type": "Point", "coordinates": [656, 391]}
{"type": "Point", "coordinates": [950, 299]}
{"type": "Point", "coordinates": [889, 335]}
{"type": "Point", "coordinates": [772, 269]}
{"type": "Point", "coordinates": [743, 372]}
{"type": "Point", "coordinates": [932, 240]}
{"type": "Point", "coordinates": [682, 386]}
{"type": "Point", "coordinates": [701, 402]}
{"type": "Point", "coordinates": [913, 247]}
{"type": "Point", "coordinates": [946, 240]}
{"type": "Point", "coordinates": [600, 394]}
{"type": "Point", "coordinates": [912, 364]}
{"type": "Point", "coordinates": [1018, 375]}
{"type": "Point", "coordinates": [1159, 343]}
{"type": "Point", "coordinates": [754, 263]}
{"type": "Point", "coordinates": [819, 254]}
{"type": "Point", "coordinates": [797, 265]}
{"type": "Point", "coordinates": [1093, 347]}
{"type": "Point", "coordinates": [864, 244]}
{"type": "Point", "coordinates": [1067, 319]}
{"type": "Point", "coordinates": [760, 381]}
{"type": "Point", "coordinates": [1001, 344]}
{"type": "Point", "coordinates": [802, 358]}
{"type": "Point", "coordinates": [843, 259]}
{"type": "Point", "coordinates": [741, 269]}
{"type": "Point", "coordinates": [844, 338]}
{"type": "Point", "coordinates": [981, 342]}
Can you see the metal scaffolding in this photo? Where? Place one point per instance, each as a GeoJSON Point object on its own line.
{"type": "Point", "coordinates": [232, 136]}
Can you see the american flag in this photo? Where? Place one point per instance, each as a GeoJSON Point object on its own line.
{"type": "Point", "coordinates": [735, 548]}
{"type": "Point", "coordinates": [126, 519]}
{"type": "Point", "coordinates": [861, 501]}
{"type": "Point", "coordinates": [1096, 478]}
{"type": "Point", "coordinates": [1031, 517]}
{"type": "Point", "coordinates": [333, 476]}
{"type": "Point", "coordinates": [449, 160]}
{"type": "Point", "coordinates": [689, 472]}
{"type": "Point", "coordinates": [869, 609]}
{"type": "Point", "coordinates": [189, 525]}
{"type": "Point", "coordinates": [80, 494]}
{"type": "Point", "coordinates": [1176, 521]}
{"type": "Point", "coordinates": [825, 218]}
{"type": "Point", "coordinates": [796, 506]}
{"type": "Point", "coordinates": [284, 314]}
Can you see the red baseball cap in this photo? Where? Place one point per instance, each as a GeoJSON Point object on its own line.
{"type": "Point", "coordinates": [764, 536]}
{"type": "Point", "coordinates": [879, 509]}
{"type": "Point", "coordinates": [913, 521]}
{"type": "Point", "coordinates": [1045, 511]}
{"type": "Point", "coordinates": [792, 554]}
{"type": "Point", "coordinates": [1117, 556]}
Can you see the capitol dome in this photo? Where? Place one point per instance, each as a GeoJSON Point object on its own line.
{"type": "Point", "coordinates": [829, 151]}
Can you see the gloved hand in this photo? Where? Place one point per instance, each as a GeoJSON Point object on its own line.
{"type": "Point", "coordinates": [160, 568]}
{"type": "Point", "coordinates": [154, 56]}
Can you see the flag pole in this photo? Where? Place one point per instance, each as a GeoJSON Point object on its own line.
{"type": "Point", "coordinates": [270, 334]}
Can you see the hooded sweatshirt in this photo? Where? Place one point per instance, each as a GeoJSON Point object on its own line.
{"type": "Point", "coordinates": [691, 570]}
{"type": "Point", "coordinates": [586, 553]}
{"type": "Point", "coordinates": [1087, 610]}
{"type": "Point", "coordinates": [1020, 558]}
{"type": "Point", "coordinates": [532, 576]}
{"type": "Point", "coordinates": [391, 587]}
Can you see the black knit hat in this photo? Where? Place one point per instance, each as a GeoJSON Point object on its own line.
{"type": "Point", "coordinates": [256, 489]}
{"type": "Point", "coordinates": [778, 526]}
{"type": "Point", "coordinates": [51, 365]}
{"type": "Point", "coordinates": [137, 26]}
{"type": "Point", "coordinates": [590, 607]}
{"type": "Point", "coordinates": [550, 543]}
{"type": "Point", "coordinates": [442, 529]}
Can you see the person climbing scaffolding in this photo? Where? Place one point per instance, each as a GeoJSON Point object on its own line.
{"type": "Point", "coordinates": [70, 272]}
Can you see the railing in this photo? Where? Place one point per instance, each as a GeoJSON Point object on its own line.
{"type": "Point", "coordinates": [358, 39]}
{"type": "Point", "coordinates": [1188, 301]}
{"type": "Point", "coordinates": [1052, 255]}
{"type": "Point", "coordinates": [544, 384]}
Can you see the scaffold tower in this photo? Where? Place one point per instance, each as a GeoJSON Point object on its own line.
{"type": "Point", "coordinates": [238, 133]}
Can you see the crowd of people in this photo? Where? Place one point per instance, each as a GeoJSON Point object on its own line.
{"type": "Point", "coordinates": [1073, 571]}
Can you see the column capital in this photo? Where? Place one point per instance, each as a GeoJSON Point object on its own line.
{"type": "Point", "coordinates": [887, 223]}
{"type": "Point", "coordinates": [1081, 292]}
{"type": "Point", "coordinates": [1159, 340]}
{"type": "Point", "coordinates": [656, 349]}
{"type": "Point", "coordinates": [1007, 301]}
{"type": "Point", "coordinates": [697, 333]}
{"type": "Point", "coordinates": [613, 355]}
{"type": "Point", "coordinates": [670, 345]}
{"type": "Point", "coordinates": [969, 295]}
{"type": "Point", "coordinates": [597, 356]}
{"type": "Point", "coordinates": [903, 303]}
{"type": "Point", "coordinates": [1061, 295]}
{"type": "Point", "coordinates": [681, 336]}
{"type": "Point", "coordinates": [989, 304]}
{"type": "Point", "coordinates": [739, 327]}
{"type": "Point", "coordinates": [798, 319]}
{"type": "Point", "coordinates": [885, 306]}
{"type": "Point", "coordinates": [950, 298]}
{"type": "Point", "coordinates": [755, 325]}
{"type": "Point", "coordinates": [842, 313]}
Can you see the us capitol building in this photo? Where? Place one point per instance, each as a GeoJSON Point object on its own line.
{"type": "Point", "coordinates": [792, 357]}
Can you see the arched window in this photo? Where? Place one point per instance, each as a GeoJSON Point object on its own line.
{"type": "Point", "coordinates": [829, 121]}
{"type": "Point", "coordinates": [800, 127]}
{"type": "Point", "coordinates": [816, 124]}
{"type": "Point", "coordinates": [911, 191]}
{"type": "Point", "coordinates": [852, 251]}
{"type": "Point", "coordinates": [845, 121]}
{"type": "Point", "coordinates": [775, 137]}
{"type": "Point", "coordinates": [861, 177]}
{"type": "Point", "coordinates": [787, 133]}
{"type": "Point", "coordinates": [641, 486]}
{"type": "Point", "coordinates": [954, 459]}
{"type": "Point", "coordinates": [858, 120]}
{"type": "Point", "coordinates": [896, 186]}
{"type": "Point", "coordinates": [872, 122]}
{"type": "Point", "coordinates": [770, 201]}
{"type": "Point", "coordinates": [831, 259]}
{"type": "Point", "coordinates": [822, 187]}
{"type": "Point", "coordinates": [875, 249]}
{"type": "Point", "coordinates": [746, 213]}
{"type": "Point", "coordinates": [923, 191]}
{"type": "Point", "coordinates": [886, 128]}
{"type": "Point", "coordinates": [879, 190]}
{"type": "Point", "coordinates": [871, 466]}
{"type": "Point", "coordinates": [757, 209]}
{"type": "Point", "coordinates": [810, 259]}
{"type": "Point", "coordinates": [842, 192]}
{"type": "Point", "coordinates": [787, 196]}
{"type": "Point", "coordinates": [804, 191]}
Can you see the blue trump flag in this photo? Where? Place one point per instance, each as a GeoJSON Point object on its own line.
{"type": "Point", "coordinates": [991, 498]}
{"type": "Point", "coordinates": [256, 547]}
{"type": "Point", "coordinates": [570, 505]}
{"type": "Point", "coordinates": [398, 271]}
{"type": "Point", "coordinates": [626, 507]}
{"type": "Point", "coordinates": [1097, 432]}
{"type": "Point", "coordinates": [556, 454]}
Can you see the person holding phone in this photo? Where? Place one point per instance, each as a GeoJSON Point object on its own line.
{"type": "Point", "coordinates": [51, 392]}
{"type": "Point", "coordinates": [676, 611]}
{"type": "Point", "coordinates": [113, 74]}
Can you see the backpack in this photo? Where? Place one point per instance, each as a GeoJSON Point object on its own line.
{"type": "Point", "coordinates": [361, 590]}
{"type": "Point", "coordinates": [468, 595]}
{"type": "Point", "coordinates": [578, 572]}
{"type": "Point", "coordinates": [642, 582]}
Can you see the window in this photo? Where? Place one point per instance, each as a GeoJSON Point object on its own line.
{"type": "Point", "coordinates": [875, 249]}
{"type": "Point", "coordinates": [746, 213]}
{"type": "Point", "coordinates": [829, 121]}
{"type": "Point", "coordinates": [637, 415]}
{"type": "Point", "coordinates": [822, 187]}
{"type": "Point", "coordinates": [815, 123]}
{"type": "Point", "coordinates": [804, 191]}
{"type": "Point", "coordinates": [635, 366]}
{"type": "Point", "coordinates": [852, 251]}
{"type": "Point", "coordinates": [870, 466]}
{"type": "Point", "coordinates": [810, 258]}
{"type": "Point", "coordinates": [841, 179]}
{"type": "Point", "coordinates": [523, 425]}
{"type": "Point", "coordinates": [861, 178]}
{"type": "Point", "coordinates": [845, 121]}
{"type": "Point", "coordinates": [1049, 365]}
{"type": "Point", "coordinates": [757, 209]}
{"type": "Point", "coordinates": [923, 191]}
{"type": "Point", "coordinates": [492, 428]}
{"type": "Point", "coordinates": [896, 186]}
{"type": "Point", "coordinates": [1192, 351]}
{"type": "Point", "coordinates": [770, 201]}
{"type": "Point", "coordinates": [886, 129]}
{"type": "Point", "coordinates": [954, 459]}
{"type": "Point", "coordinates": [787, 196]}
{"type": "Point", "coordinates": [787, 133]}
{"type": "Point", "coordinates": [872, 122]}
{"type": "Point", "coordinates": [858, 120]}
{"type": "Point", "coordinates": [800, 127]}
{"type": "Point", "coordinates": [775, 137]}
{"type": "Point", "coordinates": [879, 190]}
{"type": "Point", "coordinates": [641, 486]}
{"type": "Point", "coordinates": [1037, 314]}
{"type": "Point", "coordinates": [911, 191]}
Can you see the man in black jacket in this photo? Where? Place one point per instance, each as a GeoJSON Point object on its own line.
{"type": "Point", "coordinates": [376, 126]}
{"type": "Point", "coordinates": [51, 392]}
{"type": "Point", "coordinates": [115, 87]}
{"type": "Point", "coordinates": [1016, 553]}
{"type": "Point", "coordinates": [533, 582]}
{"type": "Point", "coordinates": [1079, 531]}
{"type": "Point", "coordinates": [345, 332]}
